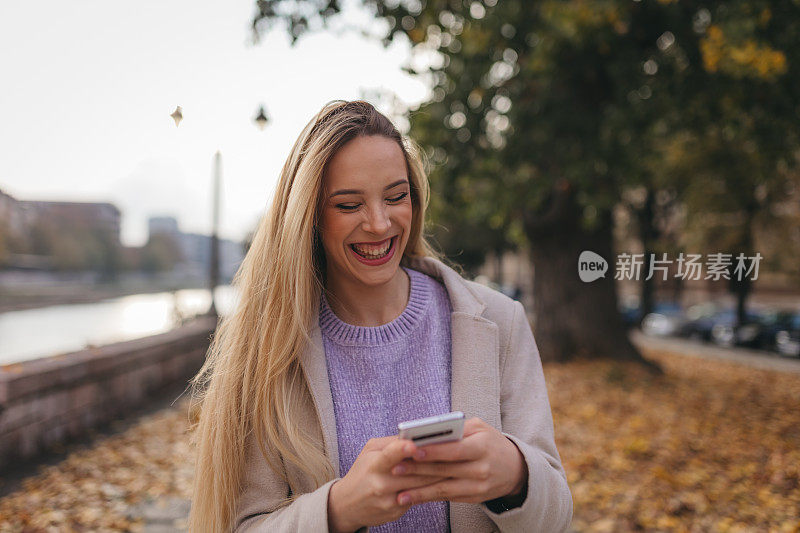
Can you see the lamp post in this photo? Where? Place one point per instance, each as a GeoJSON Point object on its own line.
{"type": "Point", "coordinates": [261, 119]}
{"type": "Point", "coordinates": [214, 270]}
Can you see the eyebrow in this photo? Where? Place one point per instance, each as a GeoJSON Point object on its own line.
{"type": "Point", "coordinates": [355, 191]}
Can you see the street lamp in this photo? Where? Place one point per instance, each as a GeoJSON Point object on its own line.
{"type": "Point", "coordinates": [214, 271]}
{"type": "Point", "coordinates": [261, 120]}
{"type": "Point", "coordinates": [177, 116]}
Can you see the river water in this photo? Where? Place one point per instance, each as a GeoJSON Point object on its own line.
{"type": "Point", "coordinates": [34, 333]}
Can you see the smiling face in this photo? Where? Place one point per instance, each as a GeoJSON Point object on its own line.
{"type": "Point", "coordinates": [366, 200]}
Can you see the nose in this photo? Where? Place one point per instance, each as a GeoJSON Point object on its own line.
{"type": "Point", "coordinates": [377, 220]}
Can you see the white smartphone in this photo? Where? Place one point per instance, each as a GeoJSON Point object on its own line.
{"type": "Point", "coordinates": [433, 429]}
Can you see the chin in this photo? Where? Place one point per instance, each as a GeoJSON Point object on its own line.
{"type": "Point", "coordinates": [378, 278]}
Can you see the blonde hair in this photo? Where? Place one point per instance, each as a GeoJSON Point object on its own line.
{"type": "Point", "coordinates": [251, 380]}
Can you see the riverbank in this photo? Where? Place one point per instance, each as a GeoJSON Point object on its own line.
{"type": "Point", "coordinates": [19, 299]}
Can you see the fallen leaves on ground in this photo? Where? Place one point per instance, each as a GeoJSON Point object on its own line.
{"type": "Point", "coordinates": [709, 446]}
{"type": "Point", "coordinates": [94, 489]}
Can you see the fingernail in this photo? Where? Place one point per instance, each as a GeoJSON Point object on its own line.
{"type": "Point", "coordinates": [405, 499]}
{"type": "Point", "coordinates": [400, 469]}
{"type": "Point", "coordinates": [420, 454]}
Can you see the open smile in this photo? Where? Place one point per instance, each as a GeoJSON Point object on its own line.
{"type": "Point", "coordinates": [375, 255]}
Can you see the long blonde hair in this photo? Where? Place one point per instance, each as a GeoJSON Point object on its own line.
{"type": "Point", "coordinates": [251, 379]}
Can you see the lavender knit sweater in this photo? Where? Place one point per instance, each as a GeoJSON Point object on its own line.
{"type": "Point", "coordinates": [383, 375]}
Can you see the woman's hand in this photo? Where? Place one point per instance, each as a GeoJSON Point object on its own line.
{"type": "Point", "coordinates": [482, 466]}
{"type": "Point", "coordinates": [367, 494]}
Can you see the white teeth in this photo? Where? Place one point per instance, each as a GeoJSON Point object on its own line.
{"type": "Point", "coordinates": [373, 253]}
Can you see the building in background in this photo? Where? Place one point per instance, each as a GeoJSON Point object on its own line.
{"type": "Point", "coordinates": [15, 218]}
{"type": "Point", "coordinates": [49, 238]}
{"type": "Point", "coordinates": [91, 216]}
{"type": "Point", "coordinates": [195, 250]}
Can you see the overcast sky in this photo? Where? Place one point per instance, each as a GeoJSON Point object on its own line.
{"type": "Point", "coordinates": [88, 88]}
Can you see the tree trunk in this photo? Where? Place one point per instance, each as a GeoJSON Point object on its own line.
{"type": "Point", "coordinates": [648, 235]}
{"type": "Point", "coordinates": [574, 318]}
{"type": "Point", "coordinates": [742, 288]}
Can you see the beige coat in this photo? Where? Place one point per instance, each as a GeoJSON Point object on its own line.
{"type": "Point", "coordinates": [496, 376]}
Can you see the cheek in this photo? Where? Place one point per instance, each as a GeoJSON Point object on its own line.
{"type": "Point", "coordinates": [405, 216]}
{"type": "Point", "coordinates": [336, 228]}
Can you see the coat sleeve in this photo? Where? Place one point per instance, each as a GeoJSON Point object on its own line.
{"type": "Point", "coordinates": [263, 489]}
{"type": "Point", "coordinates": [527, 421]}
{"type": "Point", "coordinates": [308, 512]}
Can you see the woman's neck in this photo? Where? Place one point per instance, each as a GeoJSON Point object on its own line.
{"type": "Point", "coordinates": [368, 306]}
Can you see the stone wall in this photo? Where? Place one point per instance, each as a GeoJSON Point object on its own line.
{"type": "Point", "coordinates": [49, 400]}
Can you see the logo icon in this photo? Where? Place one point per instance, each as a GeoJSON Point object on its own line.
{"type": "Point", "coordinates": [591, 266]}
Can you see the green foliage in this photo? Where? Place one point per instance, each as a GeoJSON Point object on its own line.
{"type": "Point", "coordinates": [608, 95]}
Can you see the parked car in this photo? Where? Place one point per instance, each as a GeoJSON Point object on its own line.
{"type": "Point", "coordinates": [787, 341]}
{"type": "Point", "coordinates": [772, 322]}
{"type": "Point", "coordinates": [699, 321]}
{"type": "Point", "coordinates": [666, 319]}
{"type": "Point", "coordinates": [629, 310]}
{"type": "Point", "coordinates": [726, 332]}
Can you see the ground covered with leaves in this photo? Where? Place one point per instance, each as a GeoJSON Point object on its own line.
{"type": "Point", "coordinates": [98, 488]}
{"type": "Point", "coordinates": [709, 446]}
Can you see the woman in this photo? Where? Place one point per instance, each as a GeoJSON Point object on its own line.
{"type": "Point", "coordinates": [348, 323]}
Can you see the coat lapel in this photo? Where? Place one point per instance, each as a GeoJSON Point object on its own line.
{"type": "Point", "coordinates": [474, 387]}
{"type": "Point", "coordinates": [313, 362]}
{"type": "Point", "coordinates": [475, 392]}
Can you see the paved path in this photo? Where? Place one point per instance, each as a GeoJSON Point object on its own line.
{"type": "Point", "coordinates": [754, 358]}
{"type": "Point", "coordinates": [166, 515]}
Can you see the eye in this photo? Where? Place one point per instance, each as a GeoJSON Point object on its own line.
{"type": "Point", "coordinates": [353, 207]}
{"type": "Point", "coordinates": [398, 198]}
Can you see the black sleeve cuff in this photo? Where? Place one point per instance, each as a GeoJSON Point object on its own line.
{"type": "Point", "coordinates": [506, 503]}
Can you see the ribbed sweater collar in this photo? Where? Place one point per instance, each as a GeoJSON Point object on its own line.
{"type": "Point", "coordinates": [348, 334]}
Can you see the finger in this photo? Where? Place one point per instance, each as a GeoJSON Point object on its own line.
{"type": "Point", "coordinates": [473, 425]}
{"type": "Point", "coordinates": [378, 443]}
{"type": "Point", "coordinates": [466, 449]}
{"type": "Point", "coordinates": [394, 452]}
{"type": "Point", "coordinates": [466, 469]}
{"type": "Point", "coordinates": [402, 483]}
{"type": "Point", "coordinates": [463, 490]}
